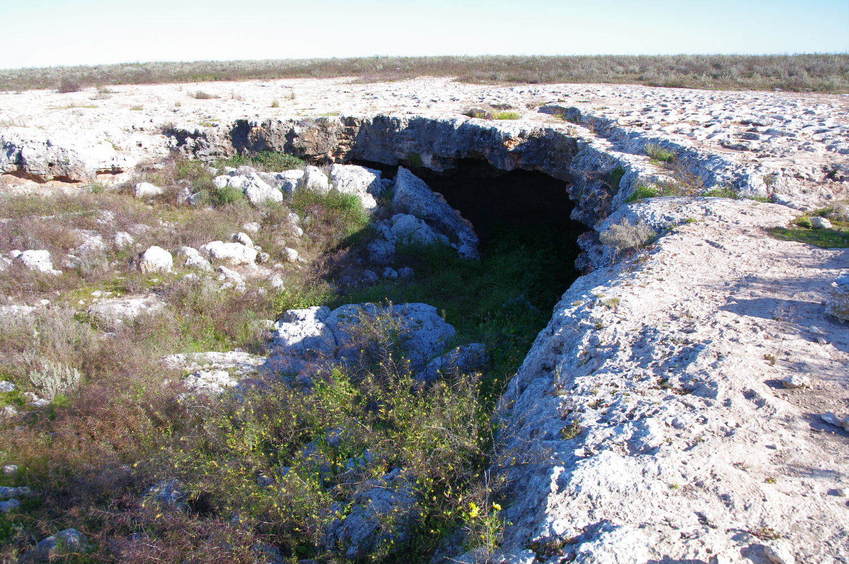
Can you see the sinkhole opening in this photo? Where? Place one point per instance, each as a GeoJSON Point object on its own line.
{"type": "Point", "coordinates": [527, 250]}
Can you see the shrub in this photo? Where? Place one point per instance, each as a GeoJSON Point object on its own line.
{"type": "Point", "coordinates": [804, 221]}
{"type": "Point", "coordinates": [68, 84]}
{"type": "Point", "coordinates": [226, 196]}
{"type": "Point", "coordinates": [722, 193]}
{"type": "Point", "coordinates": [659, 153]}
{"type": "Point", "coordinates": [626, 235]}
{"type": "Point", "coordinates": [807, 72]}
{"type": "Point", "coordinates": [506, 115]}
{"type": "Point", "coordinates": [614, 177]}
{"type": "Point", "coordinates": [50, 379]}
{"type": "Point", "coordinates": [642, 192]}
{"type": "Point", "coordinates": [201, 95]}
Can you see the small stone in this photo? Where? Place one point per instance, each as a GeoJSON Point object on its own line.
{"type": "Point", "coordinates": [291, 254]}
{"type": "Point", "coordinates": [123, 239]}
{"type": "Point", "coordinates": [243, 238]}
{"type": "Point", "coordinates": [38, 260]}
{"type": "Point", "coordinates": [156, 259]}
{"type": "Point", "coordinates": [778, 555]}
{"type": "Point", "coordinates": [795, 381]}
{"type": "Point", "coordinates": [405, 272]}
{"type": "Point", "coordinates": [833, 419]}
{"type": "Point", "coordinates": [818, 222]}
{"type": "Point", "coordinates": [6, 386]}
{"type": "Point", "coordinates": [10, 469]}
{"type": "Point", "coordinates": [7, 506]}
{"type": "Point", "coordinates": [147, 190]}
{"type": "Point", "coordinates": [251, 227]}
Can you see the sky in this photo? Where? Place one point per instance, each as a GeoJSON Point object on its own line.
{"type": "Point", "coordinates": [36, 33]}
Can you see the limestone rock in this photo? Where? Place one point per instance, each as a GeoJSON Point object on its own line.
{"type": "Point", "coordinates": [837, 303]}
{"type": "Point", "coordinates": [190, 257]}
{"type": "Point", "coordinates": [463, 359]}
{"type": "Point", "coordinates": [303, 333]}
{"type": "Point", "coordinates": [818, 222]}
{"type": "Point", "coordinates": [359, 181]}
{"type": "Point", "coordinates": [156, 259]}
{"type": "Point", "coordinates": [113, 313]}
{"type": "Point", "coordinates": [209, 382]}
{"type": "Point", "coordinates": [412, 196]}
{"type": "Point", "coordinates": [37, 260]}
{"type": "Point", "coordinates": [381, 518]}
{"type": "Point", "coordinates": [66, 541]}
{"type": "Point", "coordinates": [230, 253]}
{"type": "Point", "coordinates": [167, 494]}
{"type": "Point", "coordinates": [314, 180]}
{"type": "Point", "coordinates": [122, 240]}
{"type": "Point", "coordinates": [795, 381]}
{"type": "Point", "coordinates": [252, 227]}
{"type": "Point", "coordinates": [410, 230]}
{"type": "Point", "coordinates": [243, 239]}
{"type": "Point", "coordinates": [147, 190]}
{"type": "Point", "coordinates": [287, 181]}
{"type": "Point", "coordinates": [257, 190]}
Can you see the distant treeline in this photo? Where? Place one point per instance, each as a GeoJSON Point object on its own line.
{"type": "Point", "coordinates": [802, 73]}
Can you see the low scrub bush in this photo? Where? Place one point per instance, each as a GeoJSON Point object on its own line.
{"type": "Point", "coordinates": [659, 153]}
{"type": "Point", "coordinates": [626, 235]}
{"type": "Point", "coordinates": [806, 72]}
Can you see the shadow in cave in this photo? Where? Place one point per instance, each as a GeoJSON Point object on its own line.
{"type": "Point", "coordinates": [517, 203]}
{"type": "Point", "coordinates": [528, 249]}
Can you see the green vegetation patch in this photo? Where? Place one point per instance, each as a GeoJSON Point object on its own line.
{"type": "Point", "coordinates": [802, 231]}
{"type": "Point", "coordinates": [266, 161]}
{"type": "Point", "coordinates": [659, 154]}
{"type": "Point", "coordinates": [506, 115]}
{"type": "Point", "coordinates": [502, 300]}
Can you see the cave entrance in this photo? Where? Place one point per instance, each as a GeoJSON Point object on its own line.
{"type": "Point", "coordinates": [528, 249]}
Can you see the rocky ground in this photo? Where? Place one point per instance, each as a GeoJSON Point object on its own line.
{"type": "Point", "coordinates": [688, 399]}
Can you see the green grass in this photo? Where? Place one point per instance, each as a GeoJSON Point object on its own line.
{"type": "Point", "coordinates": [268, 161]}
{"type": "Point", "coordinates": [347, 208]}
{"type": "Point", "coordinates": [502, 300]}
{"type": "Point", "coordinates": [506, 115]}
{"type": "Point", "coordinates": [836, 237]}
{"type": "Point", "coordinates": [722, 193]}
{"type": "Point", "coordinates": [644, 191]}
